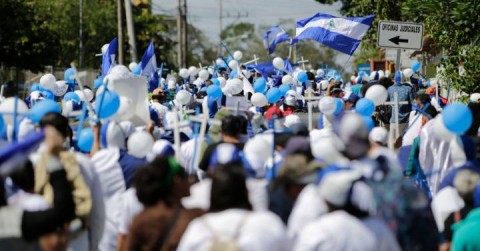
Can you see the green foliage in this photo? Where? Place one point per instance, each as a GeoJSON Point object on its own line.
{"type": "Point", "coordinates": [25, 40]}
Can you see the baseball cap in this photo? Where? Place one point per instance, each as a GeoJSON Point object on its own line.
{"type": "Point", "coordinates": [379, 135]}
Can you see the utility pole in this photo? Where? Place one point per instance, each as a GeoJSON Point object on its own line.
{"type": "Point", "coordinates": [179, 34]}
{"type": "Point", "coordinates": [131, 31]}
{"type": "Point", "coordinates": [185, 34]}
{"type": "Point", "coordinates": [120, 32]}
{"type": "Point", "coordinates": [220, 17]}
{"type": "Point", "coordinates": [80, 16]}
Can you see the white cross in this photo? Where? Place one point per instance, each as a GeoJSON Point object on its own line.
{"type": "Point", "coordinates": [396, 105]}
{"type": "Point", "coordinates": [303, 61]}
{"type": "Point", "coordinates": [254, 60]}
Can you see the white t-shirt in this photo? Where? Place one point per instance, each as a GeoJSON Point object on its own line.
{"type": "Point", "coordinates": [336, 231]}
{"type": "Point", "coordinates": [255, 231]}
{"type": "Point", "coordinates": [130, 207]}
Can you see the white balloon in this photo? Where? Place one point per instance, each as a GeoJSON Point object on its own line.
{"type": "Point", "coordinates": [219, 61]}
{"type": "Point", "coordinates": [183, 73]}
{"type": "Point", "coordinates": [210, 70]}
{"type": "Point", "coordinates": [327, 105]}
{"type": "Point", "coordinates": [132, 66]}
{"type": "Point", "coordinates": [237, 55]}
{"type": "Point", "coordinates": [125, 111]}
{"type": "Point", "coordinates": [140, 144]}
{"type": "Point", "coordinates": [233, 64]}
{"type": "Point", "coordinates": [259, 100]}
{"type": "Point", "coordinates": [120, 71]}
{"type": "Point", "coordinates": [171, 84]}
{"type": "Point", "coordinates": [198, 83]}
{"type": "Point", "coordinates": [235, 86]}
{"type": "Point", "coordinates": [408, 73]}
{"type": "Point", "coordinates": [203, 74]}
{"type": "Point", "coordinates": [7, 107]}
{"type": "Point", "coordinates": [223, 81]}
{"type": "Point", "coordinates": [60, 88]}
{"type": "Point", "coordinates": [47, 81]}
{"type": "Point", "coordinates": [287, 79]}
{"type": "Point", "coordinates": [183, 97]}
{"type": "Point", "coordinates": [352, 78]}
{"type": "Point", "coordinates": [278, 63]}
{"type": "Point", "coordinates": [88, 94]}
{"type": "Point", "coordinates": [441, 131]}
{"type": "Point", "coordinates": [80, 94]}
{"type": "Point", "coordinates": [381, 74]}
{"type": "Point", "coordinates": [192, 71]}
{"type": "Point", "coordinates": [377, 93]}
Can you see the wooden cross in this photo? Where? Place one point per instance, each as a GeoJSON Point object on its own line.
{"type": "Point", "coordinates": [303, 61]}
{"type": "Point", "coordinates": [254, 60]}
{"type": "Point", "coordinates": [394, 132]}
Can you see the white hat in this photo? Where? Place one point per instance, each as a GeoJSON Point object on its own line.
{"type": "Point", "coordinates": [291, 120]}
{"type": "Point", "coordinates": [379, 135]}
{"type": "Point", "coordinates": [335, 187]}
{"type": "Point", "coordinates": [475, 97]}
{"type": "Point", "coordinates": [161, 147]}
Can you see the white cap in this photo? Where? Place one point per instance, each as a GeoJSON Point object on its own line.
{"type": "Point", "coordinates": [291, 120]}
{"type": "Point", "coordinates": [475, 97]}
{"type": "Point", "coordinates": [335, 187]}
{"type": "Point", "coordinates": [379, 135]}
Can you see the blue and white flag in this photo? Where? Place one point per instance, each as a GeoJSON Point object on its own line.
{"type": "Point", "coordinates": [274, 36]}
{"type": "Point", "coordinates": [149, 62]}
{"type": "Point", "coordinates": [339, 33]}
{"type": "Point", "coordinates": [108, 59]}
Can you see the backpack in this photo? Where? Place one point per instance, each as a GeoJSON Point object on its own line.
{"type": "Point", "coordinates": [230, 244]}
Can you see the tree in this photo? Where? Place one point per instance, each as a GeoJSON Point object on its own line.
{"type": "Point", "coordinates": [26, 41]}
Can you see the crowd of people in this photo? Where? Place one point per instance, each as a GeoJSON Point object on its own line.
{"type": "Point", "coordinates": [219, 163]}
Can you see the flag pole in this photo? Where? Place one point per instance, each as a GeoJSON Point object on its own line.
{"type": "Point", "coordinates": [343, 68]}
{"type": "Point", "coordinates": [290, 49]}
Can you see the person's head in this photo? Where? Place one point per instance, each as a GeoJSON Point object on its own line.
{"type": "Point", "coordinates": [295, 173]}
{"type": "Point", "coordinates": [231, 126]}
{"type": "Point", "coordinates": [24, 177]}
{"type": "Point", "coordinates": [337, 93]}
{"type": "Point", "coordinates": [465, 182]}
{"type": "Point", "coordinates": [59, 122]}
{"type": "Point", "coordinates": [422, 99]}
{"type": "Point", "coordinates": [229, 189]}
{"type": "Point", "coordinates": [385, 82]}
{"type": "Point", "coordinates": [158, 95]}
{"type": "Point", "coordinates": [350, 100]}
{"type": "Point", "coordinates": [428, 113]}
{"type": "Point", "coordinates": [162, 180]}
{"type": "Point", "coordinates": [208, 82]}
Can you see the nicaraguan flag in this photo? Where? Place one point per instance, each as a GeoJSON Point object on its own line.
{"type": "Point", "coordinates": [149, 62]}
{"type": "Point", "coordinates": [339, 33]}
{"type": "Point", "coordinates": [274, 36]}
{"type": "Point", "coordinates": [108, 59]}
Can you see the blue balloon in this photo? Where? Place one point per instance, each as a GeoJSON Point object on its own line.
{"type": "Point", "coordinates": [274, 95]}
{"type": "Point", "coordinates": [71, 96]}
{"type": "Point", "coordinates": [2, 124]}
{"type": "Point", "coordinates": [233, 74]}
{"type": "Point", "coordinates": [204, 89]}
{"type": "Point", "coordinates": [457, 118]}
{"type": "Point", "coordinates": [416, 66]}
{"type": "Point", "coordinates": [36, 87]}
{"type": "Point", "coordinates": [85, 140]}
{"type": "Point", "coordinates": [41, 108]}
{"type": "Point", "coordinates": [108, 105]}
{"type": "Point", "coordinates": [361, 73]}
{"type": "Point", "coordinates": [339, 107]}
{"type": "Point", "coordinates": [98, 82]}
{"type": "Point", "coordinates": [48, 94]}
{"type": "Point", "coordinates": [215, 81]}
{"type": "Point", "coordinates": [137, 70]}
{"type": "Point", "coordinates": [69, 75]}
{"type": "Point", "coordinates": [260, 85]}
{"type": "Point", "coordinates": [214, 91]}
{"type": "Point", "coordinates": [285, 88]}
{"type": "Point", "coordinates": [302, 77]}
{"type": "Point", "coordinates": [365, 107]}
{"type": "Point", "coordinates": [368, 122]}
